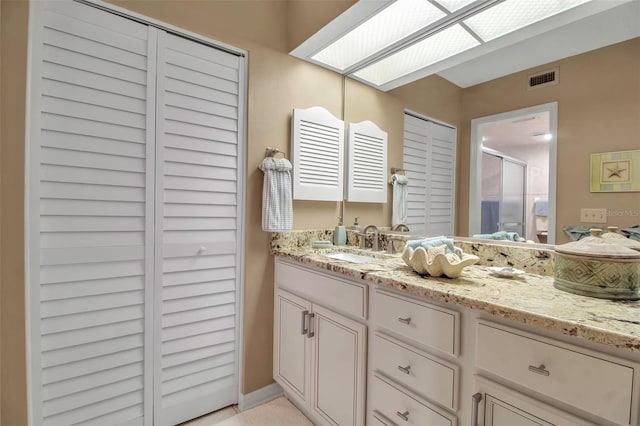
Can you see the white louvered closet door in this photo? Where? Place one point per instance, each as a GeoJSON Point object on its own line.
{"type": "Point", "coordinates": [135, 205]}
{"type": "Point", "coordinates": [430, 161]}
{"type": "Point", "coordinates": [91, 198]}
{"type": "Point", "coordinates": [198, 228]}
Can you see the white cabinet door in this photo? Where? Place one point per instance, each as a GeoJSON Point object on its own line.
{"type": "Point", "coordinates": [198, 232]}
{"type": "Point", "coordinates": [499, 413]}
{"type": "Point", "coordinates": [339, 366]}
{"type": "Point", "coordinates": [90, 197]}
{"type": "Point", "coordinates": [503, 406]}
{"type": "Point", "coordinates": [292, 346]}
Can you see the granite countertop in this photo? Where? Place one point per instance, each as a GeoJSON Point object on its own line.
{"type": "Point", "coordinates": [529, 299]}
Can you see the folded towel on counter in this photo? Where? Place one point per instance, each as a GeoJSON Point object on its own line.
{"type": "Point", "coordinates": [400, 192]}
{"type": "Point", "coordinates": [632, 232]}
{"type": "Point", "coordinates": [576, 233]}
{"type": "Point", "coordinates": [428, 243]}
{"type": "Point", "coordinates": [542, 208]}
{"type": "Point", "coordinates": [277, 205]}
{"type": "Point", "coordinates": [500, 235]}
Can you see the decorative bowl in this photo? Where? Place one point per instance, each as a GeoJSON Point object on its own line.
{"type": "Point", "coordinates": [437, 262]}
{"type": "Point", "coordinates": [595, 267]}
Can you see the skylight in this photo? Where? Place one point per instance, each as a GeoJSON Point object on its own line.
{"type": "Point", "coordinates": [512, 15]}
{"type": "Point", "coordinates": [400, 19]}
{"type": "Point", "coordinates": [433, 49]}
{"type": "Point", "coordinates": [388, 43]}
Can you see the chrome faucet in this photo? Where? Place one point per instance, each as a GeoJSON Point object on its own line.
{"type": "Point", "coordinates": [376, 238]}
{"type": "Point", "coordinates": [390, 240]}
{"type": "Point", "coordinates": [401, 227]}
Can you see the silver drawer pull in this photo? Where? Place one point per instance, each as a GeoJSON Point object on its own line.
{"type": "Point", "coordinates": [310, 332]}
{"type": "Point", "coordinates": [405, 370]}
{"type": "Point", "coordinates": [304, 329]}
{"type": "Point", "coordinates": [406, 320]}
{"type": "Point", "coordinates": [404, 416]}
{"type": "Point", "coordinates": [539, 370]}
{"type": "Point", "coordinates": [475, 402]}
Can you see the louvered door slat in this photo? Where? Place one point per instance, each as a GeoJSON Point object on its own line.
{"type": "Point", "coordinates": [91, 155]}
{"type": "Point", "coordinates": [197, 226]}
{"type": "Point", "coordinates": [429, 162]}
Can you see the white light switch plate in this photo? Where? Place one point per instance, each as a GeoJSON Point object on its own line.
{"type": "Point", "coordinates": [593, 215]}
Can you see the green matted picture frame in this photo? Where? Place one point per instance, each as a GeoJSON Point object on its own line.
{"type": "Point", "coordinates": [615, 171]}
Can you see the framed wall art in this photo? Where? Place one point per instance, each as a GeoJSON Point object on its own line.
{"type": "Point", "coordinates": [615, 171]}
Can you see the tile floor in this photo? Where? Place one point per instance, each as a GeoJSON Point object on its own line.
{"type": "Point", "coordinates": [278, 412]}
{"type": "Point", "coordinates": [213, 418]}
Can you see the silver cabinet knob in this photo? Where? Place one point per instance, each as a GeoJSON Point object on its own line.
{"type": "Point", "coordinates": [404, 416]}
{"type": "Point", "coordinates": [406, 320]}
{"type": "Point", "coordinates": [405, 370]}
{"type": "Point", "coordinates": [202, 249]}
{"type": "Point", "coordinates": [539, 370]}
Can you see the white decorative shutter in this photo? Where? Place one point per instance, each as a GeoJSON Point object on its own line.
{"type": "Point", "coordinates": [367, 170]}
{"type": "Point", "coordinates": [317, 146]}
{"type": "Point", "coordinates": [429, 162]}
{"type": "Point", "coordinates": [198, 221]}
{"type": "Point", "coordinates": [90, 204]}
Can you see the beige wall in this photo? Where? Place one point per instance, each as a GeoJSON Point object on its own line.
{"type": "Point", "coordinates": [277, 84]}
{"type": "Point", "coordinates": [13, 71]}
{"type": "Point", "coordinates": [598, 111]}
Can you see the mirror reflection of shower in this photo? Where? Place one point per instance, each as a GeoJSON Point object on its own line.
{"type": "Point", "coordinates": [515, 176]}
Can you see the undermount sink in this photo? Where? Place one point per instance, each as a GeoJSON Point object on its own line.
{"type": "Point", "coordinates": [350, 257]}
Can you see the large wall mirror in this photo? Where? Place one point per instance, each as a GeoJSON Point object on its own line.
{"type": "Point", "coordinates": [513, 174]}
{"type": "Point", "coordinates": [597, 105]}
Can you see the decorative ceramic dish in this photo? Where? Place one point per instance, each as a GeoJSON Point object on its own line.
{"type": "Point", "coordinates": [505, 271]}
{"type": "Point", "coordinates": [437, 262]}
{"type": "Point", "coordinates": [593, 266]}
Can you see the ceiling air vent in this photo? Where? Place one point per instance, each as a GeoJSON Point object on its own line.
{"type": "Point", "coordinates": [546, 78]}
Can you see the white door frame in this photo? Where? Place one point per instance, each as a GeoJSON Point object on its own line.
{"type": "Point", "coordinates": [31, 230]}
{"type": "Point", "coordinates": [475, 173]}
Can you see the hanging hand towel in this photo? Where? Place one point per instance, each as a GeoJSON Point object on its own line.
{"type": "Point", "coordinates": [399, 208]}
{"type": "Point", "coordinates": [277, 206]}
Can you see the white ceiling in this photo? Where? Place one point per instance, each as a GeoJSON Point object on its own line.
{"type": "Point", "coordinates": [593, 32]}
{"type": "Point", "coordinates": [526, 130]}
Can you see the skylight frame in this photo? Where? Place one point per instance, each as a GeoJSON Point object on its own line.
{"type": "Point", "coordinates": [363, 9]}
{"type": "Point", "coordinates": [417, 14]}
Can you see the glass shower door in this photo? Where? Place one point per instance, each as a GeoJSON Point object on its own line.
{"type": "Point", "coordinates": [512, 212]}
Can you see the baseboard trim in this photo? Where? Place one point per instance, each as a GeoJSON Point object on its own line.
{"type": "Point", "coordinates": [260, 396]}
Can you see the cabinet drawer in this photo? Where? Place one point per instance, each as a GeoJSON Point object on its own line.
{"type": "Point", "coordinates": [341, 295]}
{"type": "Point", "coordinates": [426, 324]}
{"type": "Point", "coordinates": [426, 375]}
{"type": "Point", "coordinates": [592, 384]}
{"type": "Point", "coordinates": [404, 409]}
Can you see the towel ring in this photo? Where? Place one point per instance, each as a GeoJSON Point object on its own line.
{"type": "Point", "coordinates": [395, 170]}
{"type": "Point", "coordinates": [273, 152]}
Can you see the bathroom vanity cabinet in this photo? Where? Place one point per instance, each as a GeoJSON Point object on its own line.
{"type": "Point", "coordinates": [320, 354]}
{"type": "Point", "coordinates": [430, 363]}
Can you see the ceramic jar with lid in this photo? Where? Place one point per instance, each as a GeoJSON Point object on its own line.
{"type": "Point", "coordinates": [613, 236]}
{"type": "Point", "coordinates": [598, 268]}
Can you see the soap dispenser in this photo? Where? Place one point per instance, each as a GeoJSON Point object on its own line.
{"type": "Point", "coordinates": [339, 234]}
